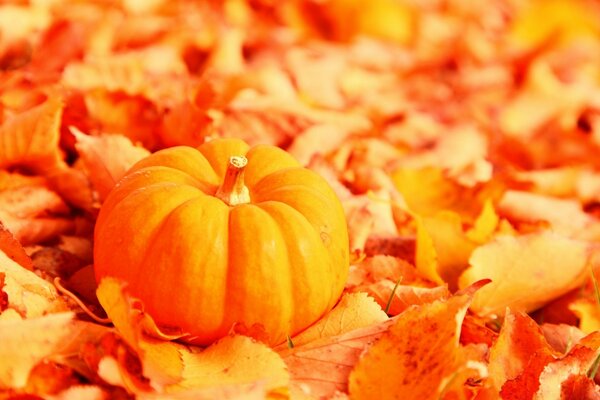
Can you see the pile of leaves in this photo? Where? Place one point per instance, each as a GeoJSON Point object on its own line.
{"type": "Point", "coordinates": [462, 137]}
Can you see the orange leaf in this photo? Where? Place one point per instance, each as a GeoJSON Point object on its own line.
{"type": "Point", "coordinates": [578, 362]}
{"type": "Point", "coordinates": [34, 213]}
{"type": "Point", "coordinates": [401, 297]}
{"type": "Point", "coordinates": [422, 346]}
{"type": "Point", "coordinates": [13, 249]}
{"type": "Point", "coordinates": [30, 139]}
{"type": "Point", "coordinates": [519, 354]}
{"type": "Point", "coordinates": [107, 158]}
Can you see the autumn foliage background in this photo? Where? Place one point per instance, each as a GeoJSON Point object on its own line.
{"type": "Point", "coordinates": [461, 136]}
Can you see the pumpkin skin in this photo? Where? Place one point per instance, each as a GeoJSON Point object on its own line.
{"type": "Point", "coordinates": [277, 263]}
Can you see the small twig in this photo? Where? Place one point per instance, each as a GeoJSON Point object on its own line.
{"type": "Point", "coordinates": [72, 296]}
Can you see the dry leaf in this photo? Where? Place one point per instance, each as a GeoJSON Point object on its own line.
{"type": "Point", "coordinates": [578, 362]}
{"type": "Point", "coordinates": [519, 355]}
{"type": "Point", "coordinates": [28, 294]}
{"type": "Point", "coordinates": [27, 342]}
{"type": "Point", "coordinates": [173, 367]}
{"type": "Point", "coordinates": [320, 369]}
{"type": "Point", "coordinates": [161, 361]}
{"type": "Point", "coordinates": [564, 21]}
{"type": "Point", "coordinates": [422, 346]}
{"type": "Point", "coordinates": [401, 297]}
{"type": "Point", "coordinates": [233, 360]}
{"type": "Point", "coordinates": [526, 271]}
{"type": "Point", "coordinates": [354, 311]}
{"type": "Point", "coordinates": [564, 216]}
{"type": "Point", "coordinates": [443, 249]}
{"type": "Point", "coordinates": [13, 249]}
{"type": "Point", "coordinates": [107, 158]}
{"type": "Point", "coordinates": [588, 312]}
{"type": "Point", "coordinates": [30, 140]}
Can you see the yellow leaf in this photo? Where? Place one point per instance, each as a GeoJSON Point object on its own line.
{"type": "Point", "coordinates": [27, 342]}
{"type": "Point", "coordinates": [233, 360]}
{"type": "Point", "coordinates": [355, 310]}
{"type": "Point", "coordinates": [563, 21]}
{"type": "Point", "coordinates": [254, 391]}
{"type": "Point", "coordinates": [443, 249]}
{"type": "Point", "coordinates": [417, 357]}
{"type": "Point", "coordinates": [588, 313]}
{"type": "Point", "coordinates": [31, 138]}
{"type": "Point", "coordinates": [526, 271]}
{"type": "Point", "coordinates": [485, 225]}
{"type": "Point", "coordinates": [107, 158]}
{"type": "Point", "coordinates": [27, 293]}
{"type": "Point", "coordinates": [427, 191]}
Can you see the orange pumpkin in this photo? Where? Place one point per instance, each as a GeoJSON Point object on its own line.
{"type": "Point", "coordinates": [224, 235]}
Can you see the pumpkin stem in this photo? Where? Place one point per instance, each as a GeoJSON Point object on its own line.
{"type": "Point", "coordinates": [233, 191]}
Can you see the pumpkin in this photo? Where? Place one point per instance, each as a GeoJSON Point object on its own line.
{"type": "Point", "coordinates": [224, 237]}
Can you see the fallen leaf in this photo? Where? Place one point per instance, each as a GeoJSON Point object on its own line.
{"type": "Point", "coordinates": [421, 346]}
{"type": "Point", "coordinates": [173, 367]}
{"type": "Point", "coordinates": [588, 312]}
{"type": "Point", "coordinates": [564, 22]}
{"type": "Point", "coordinates": [30, 139]}
{"type": "Point", "coordinates": [49, 377]}
{"type": "Point", "coordinates": [107, 158]}
{"type": "Point", "coordinates": [578, 362]}
{"type": "Point", "coordinates": [27, 342]}
{"type": "Point", "coordinates": [519, 355]}
{"type": "Point", "coordinates": [566, 217]}
{"type": "Point", "coordinates": [34, 214]}
{"type": "Point", "coordinates": [443, 249]}
{"type": "Point", "coordinates": [526, 271]}
{"type": "Point", "coordinates": [562, 337]}
{"type": "Point", "coordinates": [400, 297]}
{"type": "Point", "coordinates": [429, 190]}
{"type": "Point", "coordinates": [320, 369]}
{"type": "Point", "coordinates": [353, 311]}
{"type": "Point", "coordinates": [233, 360]}
{"type": "Point", "coordinates": [161, 361]}
{"type": "Point", "coordinates": [13, 249]}
{"type": "Point", "coordinates": [253, 391]}
{"type": "Point", "coordinates": [28, 294]}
